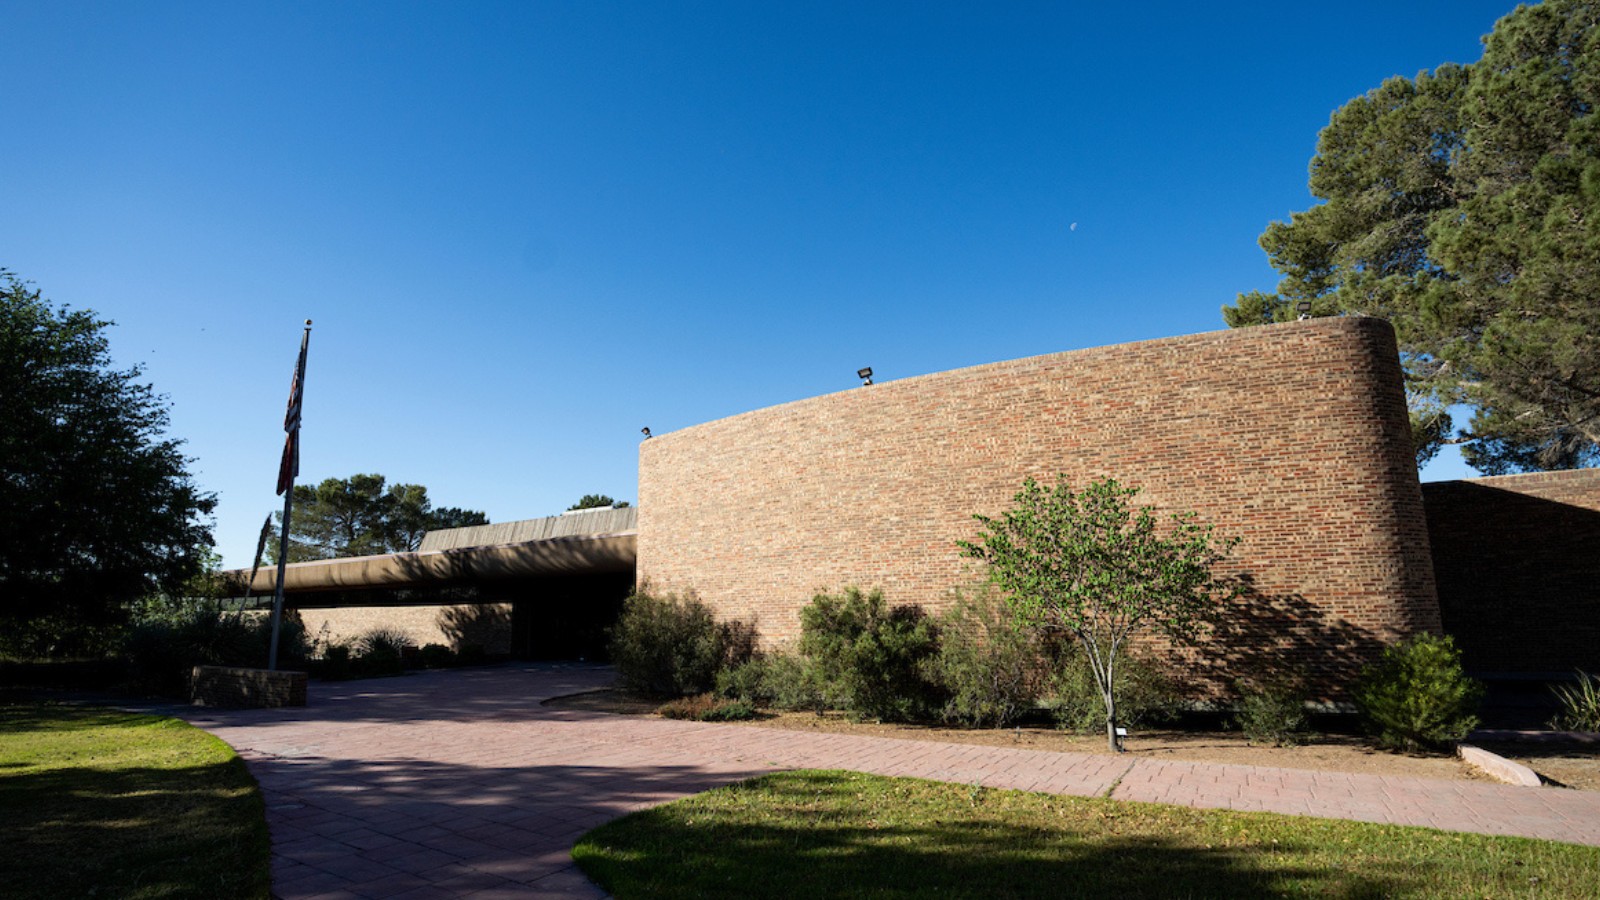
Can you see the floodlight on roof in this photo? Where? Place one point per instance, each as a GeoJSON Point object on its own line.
{"type": "Point", "coordinates": [646, 432]}
{"type": "Point", "coordinates": [865, 375]}
{"type": "Point", "coordinates": [1304, 309]}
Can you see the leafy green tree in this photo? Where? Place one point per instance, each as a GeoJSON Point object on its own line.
{"type": "Point", "coordinates": [597, 501]}
{"type": "Point", "coordinates": [1464, 206]}
{"type": "Point", "coordinates": [364, 516]}
{"type": "Point", "coordinates": [1091, 565]}
{"type": "Point", "coordinates": [99, 508]}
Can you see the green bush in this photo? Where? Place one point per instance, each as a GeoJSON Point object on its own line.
{"type": "Point", "coordinates": [381, 651]}
{"type": "Point", "coordinates": [1417, 696]}
{"type": "Point", "coordinates": [673, 646]}
{"type": "Point", "coordinates": [1580, 705]}
{"type": "Point", "coordinates": [869, 656]}
{"type": "Point", "coordinates": [1144, 692]}
{"type": "Point", "coordinates": [749, 681]}
{"type": "Point", "coordinates": [436, 656]}
{"type": "Point", "coordinates": [1273, 712]}
{"type": "Point", "coordinates": [335, 663]}
{"type": "Point", "coordinates": [707, 708]}
{"type": "Point", "coordinates": [776, 681]}
{"type": "Point", "coordinates": [988, 664]}
{"type": "Point", "coordinates": [162, 651]}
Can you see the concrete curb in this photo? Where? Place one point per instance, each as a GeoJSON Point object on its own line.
{"type": "Point", "coordinates": [1540, 736]}
{"type": "Point", "coordinates": [1498, 767]}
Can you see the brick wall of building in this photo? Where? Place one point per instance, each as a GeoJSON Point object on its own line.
{"type": "Point", "coordinates": [1292, 437]}
{"type": "Point", "coordinates": [1517, 560]}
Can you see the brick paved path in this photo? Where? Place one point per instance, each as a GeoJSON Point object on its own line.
{"type": "Point", "coordinates": [448, 784]}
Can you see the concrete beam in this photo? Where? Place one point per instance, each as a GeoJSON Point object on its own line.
{"type": "Point", "coordinates": [579, 555]}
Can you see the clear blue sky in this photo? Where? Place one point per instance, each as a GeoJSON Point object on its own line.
{"type": "Point", "coordinates": [524, 230]}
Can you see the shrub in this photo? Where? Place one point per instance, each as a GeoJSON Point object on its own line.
{"type": "Point", "coordinates": [436, 656]}
{"type": "Point", "coordinates": [869, 656]}
{"type": "Point", "coordinates": [707, 708]}
{"type": "Point", "coordinates": [778, 681]}
{"type": "Point", "coordinates": [335, 664]}
{"type": "Point", "coordinates": [672, 646]}
{"type": "Point", "coordinates": [729, 711]}
{"type": "Point", "coordinates": [1144, 692]}
{"type": "Point", "coordinates": [749, 681]}
{"type": "Point", "coordinates": [1417, 696]}
{"type": "Point", "coordinates": [1273, 713]}
{"type": "Point", "coordinates": [383, 641]}
{"type": "Point", "coordinates": [987, 662]}
{"type": "Point", "coordinates": [1580, 705]}
{"type": "Point", "coordinates": [162, 651]}
{"type": "Point", "coordinates": [381, 651]}
{"type": "Point", "coordinates": [469, 654]}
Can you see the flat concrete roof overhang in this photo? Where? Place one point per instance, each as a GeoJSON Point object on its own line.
{"type": "Point", "coordinates": [576, 555]}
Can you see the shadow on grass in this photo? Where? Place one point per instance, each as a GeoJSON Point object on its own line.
{"type": "Point", "coordinates": [832, 834]}
{"type": "Point", "coordinates": [196, 831]}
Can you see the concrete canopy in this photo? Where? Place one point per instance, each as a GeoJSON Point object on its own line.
{"type": "Point", "coordinates": [610, 546]}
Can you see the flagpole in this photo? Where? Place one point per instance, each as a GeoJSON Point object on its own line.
{"type": "Point", "coordinates": [288, 468]}
{"type": "Point", "coordinates": [277, 591]}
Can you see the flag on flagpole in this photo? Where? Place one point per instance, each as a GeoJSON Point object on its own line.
{"type": "Point", "coordinates": [289, 466]}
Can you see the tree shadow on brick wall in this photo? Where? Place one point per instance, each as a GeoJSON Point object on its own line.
{"type": "Point", "coordinates": [1264, 638]}
{"type": "Point", "coordinates": [476, 625]}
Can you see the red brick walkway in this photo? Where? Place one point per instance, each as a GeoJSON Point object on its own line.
{"type": "Point", "coordinates": [452, 784]}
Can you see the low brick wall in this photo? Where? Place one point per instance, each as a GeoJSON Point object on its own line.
{"type": "Point", "coordinates": [226, 686]}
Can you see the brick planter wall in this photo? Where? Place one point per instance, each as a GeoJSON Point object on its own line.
{"type": "Point", "coordinates": [246, 688]}
{"type": "Point", "coordinates": [1517, 559]}
{"type": "Point", "coordinates": [1292, 437]}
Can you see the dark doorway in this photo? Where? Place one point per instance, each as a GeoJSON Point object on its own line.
{"type": "Point", "coordinates": [565, 617]}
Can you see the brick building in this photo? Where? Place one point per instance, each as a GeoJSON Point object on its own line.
{"type": "Point", "coordinates": [1292, 437]}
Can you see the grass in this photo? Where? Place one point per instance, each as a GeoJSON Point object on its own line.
{"type": "Point", "coordinates": [100, 803]}
{"type": "Point", "coordinates": [844, 834]}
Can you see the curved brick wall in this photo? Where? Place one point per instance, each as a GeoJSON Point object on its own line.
{"type": "Point", "coordinates": [1292, 437]}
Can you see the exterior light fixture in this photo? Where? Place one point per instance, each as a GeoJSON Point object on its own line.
{"type": "Point", "coordinates": [646, 432]}
{"type": "Point", "coordinates": [1304, 309]}
{"type": "Point", "coordinates": [865, 375]}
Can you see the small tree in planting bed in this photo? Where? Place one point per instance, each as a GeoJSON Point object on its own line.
{"type": "Point", "coordinates": [1091, 564]}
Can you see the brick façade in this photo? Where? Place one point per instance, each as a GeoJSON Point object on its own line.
{"type": "Point", "coordinates": [1292, 437]}
{"type": "Point", "coordinates": [1516, 558]}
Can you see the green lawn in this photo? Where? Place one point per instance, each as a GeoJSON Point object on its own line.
{"type": "Point", "coordinates": [843, 834]}
{"type": "Point", "coordinates": [100, 803]}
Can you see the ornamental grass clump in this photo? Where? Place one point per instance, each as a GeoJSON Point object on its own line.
{"type": "Point", "coordinates": [1580, 705]}
{"type": "Point", "coordinates": [1417, 696]}
{"type": "Point", "coordinates": [381, 651]}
